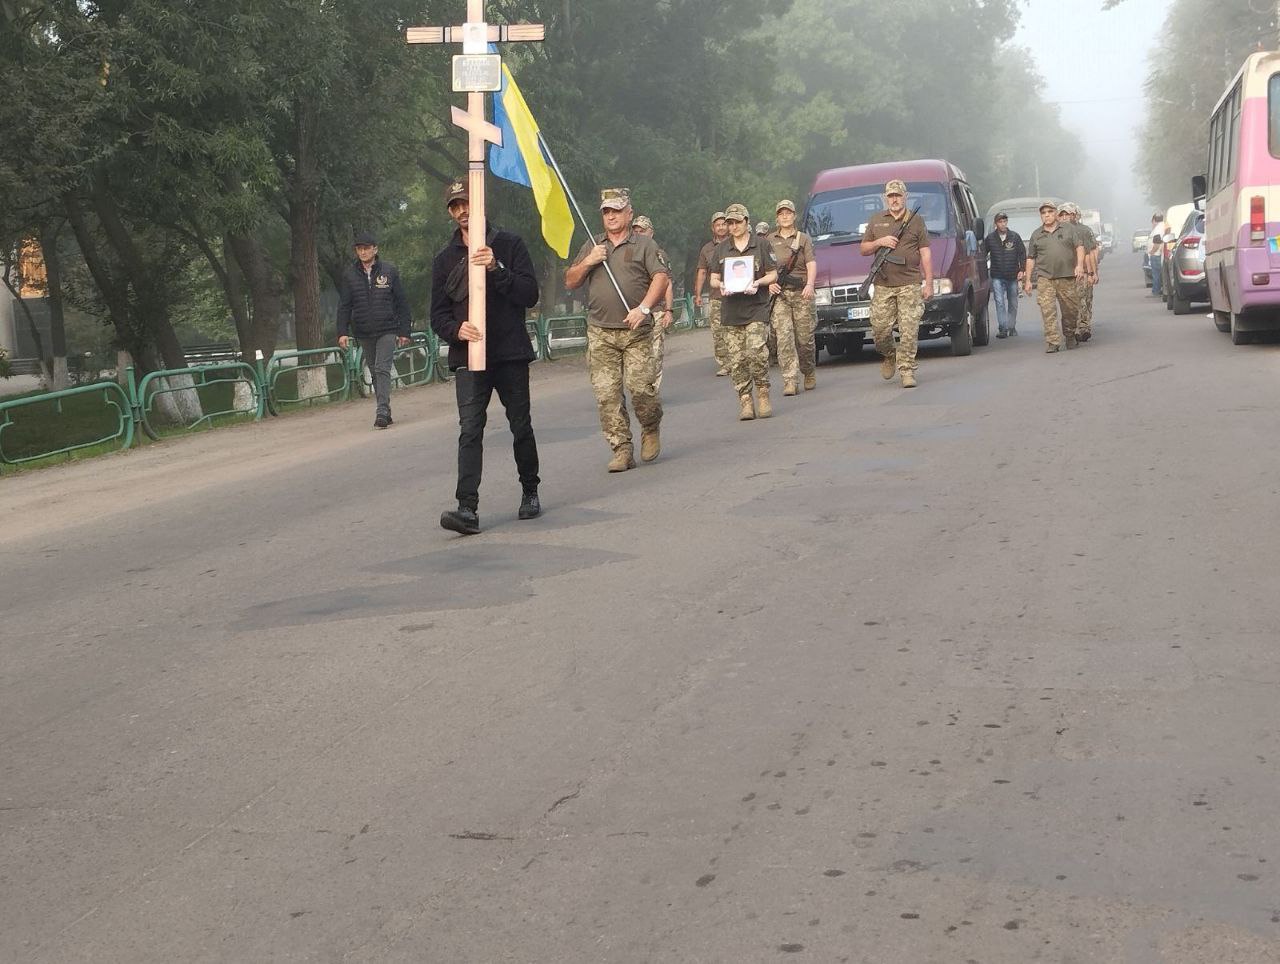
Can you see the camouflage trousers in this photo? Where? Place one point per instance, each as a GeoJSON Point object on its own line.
{"type": "Point", "coordinates": [618, 359]}
{"type": "Point", "coordinates": [904, 306]}
{"type": "Point", "coordinates": [717, 334]}
{"type": "Point", "coordinates": [793, 321]}
{"type": "Point", "coordinates": [1050, 293]}
{"type": "Point", "coordinates": [659, 350]}
{"type": "Point", "coordinates": [748, 356]}
{"type": "Point", "coordinates": [1084, 322]}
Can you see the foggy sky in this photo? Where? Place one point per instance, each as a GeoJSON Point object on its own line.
{"type": "Point", "coordinates": [1099, 57]}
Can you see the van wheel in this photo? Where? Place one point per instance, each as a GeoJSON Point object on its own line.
{"type": "Point", "coordinates": [982, 327]}
{"type": "Point", "coordinates": [1222, 320]}
{"type": "Point", "coordinates": [1238, 336]}
{"type": "Point", "coordinates": [962, 333]}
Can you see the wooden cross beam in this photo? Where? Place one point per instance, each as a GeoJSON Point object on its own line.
{"type": "Point", "coordinates": [475, 73]}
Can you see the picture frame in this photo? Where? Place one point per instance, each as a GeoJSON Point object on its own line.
{"type": "Point", "coordinates": [739, 274]}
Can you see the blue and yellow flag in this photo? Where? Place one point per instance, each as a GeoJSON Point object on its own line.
{"type": "Point", "coordinates": [520, 159]}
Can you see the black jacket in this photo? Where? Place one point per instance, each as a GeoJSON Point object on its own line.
{"type": "Point", "coordinates": [512, 289]}
{"type": "Point", "coordinates": [1008, 257]}
{"type": "Point", "coordinates": [373, 304]}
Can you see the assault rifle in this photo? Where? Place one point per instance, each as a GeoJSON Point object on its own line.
{"type": "Point", "coordinates": [883, 255]}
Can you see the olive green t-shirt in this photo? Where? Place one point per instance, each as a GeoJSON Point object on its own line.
{"type": "Point", "coordinates": [1086, 236]}
{"type": "Point", "coordinates": [798, 244]}
{"type": "Point", "coordinates": [915, 238]}
{"type": "Point", "coordinates": [704, 264]}
{"type": "Point", "coordinates": [634, 261]}
{"type": "Point", "coordinates": [1054, 252]}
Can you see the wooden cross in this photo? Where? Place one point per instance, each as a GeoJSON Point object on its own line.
{"type": "Point", "coordinates": [475, 36]}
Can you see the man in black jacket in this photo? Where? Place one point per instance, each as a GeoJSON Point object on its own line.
{"type": "Point", "coordinates": [1008, 257]}
{"type": "Point", "coordinates": [512, 289]}
{"type": "Point", "coordinates": [373, 303]}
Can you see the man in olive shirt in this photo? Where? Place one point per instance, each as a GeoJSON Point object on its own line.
{"type": "Point", "coordinates": [719, 231]}
{"type": "Point", "coordinates": [904, 282]}
{"type": "Point", "coordinates": [1070, 212]}
{"type": "Point", "coordinates": [1057, 252]}
{"type": "Point", "coordinates": [745, 313]}
{"type": "Point", "coordinates": [620, 332]}
{"type": "Point", "coordinates": [794, 314]}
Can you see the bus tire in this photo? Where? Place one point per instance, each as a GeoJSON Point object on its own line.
{"type": "Point", "coordinates": [1238, 335]}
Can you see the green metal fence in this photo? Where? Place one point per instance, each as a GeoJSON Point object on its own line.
{"type": "Point", "coordinates": [283, 381]}
{"type": "Point", "coordinates": [220, 390]}
{"type": "Point", "coordinates": [79, 425]}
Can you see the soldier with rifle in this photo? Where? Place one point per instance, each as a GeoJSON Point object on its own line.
{"type": "Point", "coordinates": [902, 277]}
{"type": "Point", "coordinates": [793, 315]}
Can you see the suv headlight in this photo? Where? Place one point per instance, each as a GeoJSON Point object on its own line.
{"type": "Point", "coordinates": [822, 296]}
{"type": "Point", "coordinates": [941, 286]}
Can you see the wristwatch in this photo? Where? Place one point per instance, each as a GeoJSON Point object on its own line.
{"type": "Point", "coordinates": [645, 311]}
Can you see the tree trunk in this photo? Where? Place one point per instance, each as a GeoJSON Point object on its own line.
{"type": "Point", "coordinates": [266, 295]}
{"type": "Point", "coordinates": [304, 218]}
{"type": "Point", "coordinates": [57, 315]}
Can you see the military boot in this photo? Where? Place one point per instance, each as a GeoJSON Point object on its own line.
{"type": "Point", "coordinates": [788, 387]}
{"type": "Point", "coordinates": [623, 459]}
{"type": "Point", "coordinates": [746, 412]}
{"type": "Point", "coordinates": [650, 444]}
{"type": "Point", "coordinates": [764, 407]}
{"type": "Point", "coordinates": [887, 367]}
{"type": "Point", "coordinates": [810, 382]}
{"type": "Point", "coordinates": [908, 379]}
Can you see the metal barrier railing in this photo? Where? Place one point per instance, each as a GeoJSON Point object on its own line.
{"type": "Point", "coordinates": [328, 361]}
{"type": "Point", "coordinates": [114, 396]}
{"type": "Point", "coordinates": [207, 389]}
{"type": "Point", "coordinates": [417, 363]}
{"type": "Point", "coordinates": [564, 332]}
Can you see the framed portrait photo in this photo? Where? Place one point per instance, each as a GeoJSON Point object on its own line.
{"type": "Point", "coordinates": [739, 273]}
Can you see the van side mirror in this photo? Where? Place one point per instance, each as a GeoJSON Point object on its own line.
{"type": "Point", "coordinates": [980, 230]}
{"type": "Point", "coordinates": [1199, 187]}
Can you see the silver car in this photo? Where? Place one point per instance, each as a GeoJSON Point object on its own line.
{"type": "Point", "coordinates": [1185, 281]}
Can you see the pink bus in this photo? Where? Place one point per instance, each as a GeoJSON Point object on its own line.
{"type": "Point", "coordinates": [1242, 207]}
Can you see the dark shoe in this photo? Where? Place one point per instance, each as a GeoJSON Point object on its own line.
{"type": "Point", "coordinates": [390, 420]}
{"type": "Point", "coordinates": [382, 421]}
{"type": "Point", "coordinates": [1013, 332]}
{"type": "Point", "coordinates": [1084, 335]}
{"type": "Point", "coordinates": [1002, 333]}
{"type": "Point", "coordinates": [461, 520]}
{"type": "Point", "coordinates": [530, 507]}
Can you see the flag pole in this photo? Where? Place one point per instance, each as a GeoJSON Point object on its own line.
{"type": "Point", "coordinates": [578, 211]}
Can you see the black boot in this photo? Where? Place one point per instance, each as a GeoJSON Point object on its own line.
{"type": "Point", "coordinates": [462, 520]}
{"type": "Point", "coordinates": [530, 507]}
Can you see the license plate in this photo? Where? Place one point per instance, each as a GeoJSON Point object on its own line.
{"type": "Point", "coordinates": [859, 312]}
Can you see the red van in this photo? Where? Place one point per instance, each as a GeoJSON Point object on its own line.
{"type": "Point", "coordinates": [841, 202]}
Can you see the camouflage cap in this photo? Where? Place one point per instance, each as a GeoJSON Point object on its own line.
{"type": "Point", "coordinates": [615, 198]}
{"type": "Point", "coordinates": [642, 221]}
{"type": "Point", "coordinates": [785, 206]}
{"type": "Point", "coordinates": [456, 191]}
{"type": "Point", "coordinates": [1066, 208]}
{"type": "Point", "coordinates": [736, 212]}
{"type": "Point", "coordinates": [718, 216]}
{"type": "Point", "coordinates": [762, 227]}
{"type": "Point", "coordinates": [895, 187]}
{"type": "Point", "coordinates": [1052, 205]}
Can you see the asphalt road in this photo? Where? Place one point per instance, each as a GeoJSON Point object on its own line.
{"type": "Point", "coordinates": [984, 671]}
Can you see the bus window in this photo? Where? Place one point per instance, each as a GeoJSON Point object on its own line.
{"type": "Point", "coordinates": [1273, 114]}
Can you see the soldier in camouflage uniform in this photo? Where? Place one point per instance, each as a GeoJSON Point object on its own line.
{"type": "Point", "coordinates": [794, 314]}
{"type": "Point", "coordinates": [1056, 251]}
{"type": "Point", "coordinates": [1084, 323]}
{"type": "Point", "coordinates": [719, 231]}
{"type": "Point", "coordinates": [663, 314]}
{"type": "Point", "coordinates": [745, 313]}
{"type": "Point", "coordinates": [620, 334]}
{"type": "Point", "coordinates": [904, 282]}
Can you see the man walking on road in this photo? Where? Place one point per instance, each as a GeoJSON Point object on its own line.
{"type": "Point", "coordinates": [903, 284]}
{"type": "Point", "coordinates": [511, 289]}
{"type": "Point", "coordinates": [373, 306]}
{"type": "Point", "coordinates": [1057, 254]}
{"type": "Point", "coordinates": [794, 315]}
{"type": "Point", "coordinates": [1084, 324]}
{"type": "Point", "coordinates": [620, 335]}
{"type": "Point", "coordinates": [1158, 231]}
{"type": "Point", "coordinates": [719, 231]}
{"type": "Point", "coordinates": [1007, 253]}
{"type": "Point", "coordinates": [662, 314]}
{"type": "Point", "coordinates": [745, 309]}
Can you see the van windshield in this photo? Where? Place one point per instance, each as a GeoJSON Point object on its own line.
{"type": "Point", "coordinates": [1023, 223]}
{"type": "Point", "coordinates": [845, 213]}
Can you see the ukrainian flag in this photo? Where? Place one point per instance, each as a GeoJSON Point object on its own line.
{"type": "Point", "coordinates": [520, 159]}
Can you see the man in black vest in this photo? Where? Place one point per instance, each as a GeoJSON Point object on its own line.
{"type": "Point", "coordinates": [1007, 255]}
{"type": "Point", "coordinates": [373, 303]}
{"type": "Point", "coordinates": [512, 289]}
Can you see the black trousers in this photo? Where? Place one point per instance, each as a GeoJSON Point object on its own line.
{"type": "Point", "coordinates": [511, 381]}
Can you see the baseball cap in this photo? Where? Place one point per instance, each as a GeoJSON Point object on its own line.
{"type": "Point", "coordinates": [788, 205]}
{"type": "Point", "coordinates": [456, 191]}
{"type": "Point", "coordinates": [718, 216]}
{"type": "Point", "coordinates": [762, 227]}
{"type": "Point", "coordinates": [642, 222]}
{"type": "Point", "coordinates": [736, 212]}
{"type": "Point", "coordinates": [1065, 208]}
{"type": "Point", "coordinates": [365, 237]}
{"type": "Point", "coordinates": [615, 198]}
{"type": "Point", "coordinates": [1000, 216]}
{"type": "Point", "coordinates": [895, 187]}
{"type": "Point", "coordinates": [1048, 204]}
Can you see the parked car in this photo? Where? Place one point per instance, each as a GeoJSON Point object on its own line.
{"type": "Point", "coordinates": [1185, 282]}
{"type": "Point", "coordinates": [1175, 217]}
{"type": "Point", "coordinates": [840, 204]}
{"type": "Point", "coordinates": [1141, 239]}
